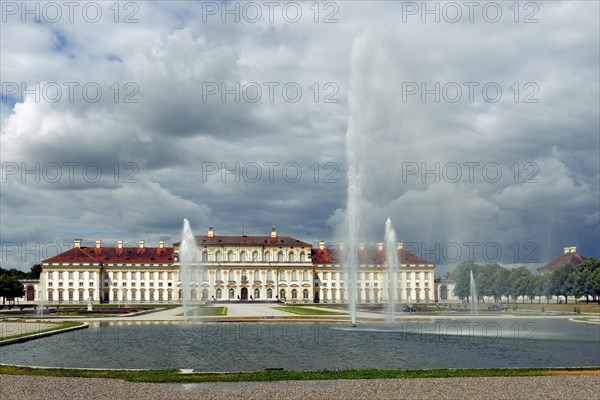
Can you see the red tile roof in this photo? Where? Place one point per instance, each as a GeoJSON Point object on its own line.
{"type": "Point", "coordinates": [564, 259]}
{"type": "Point", "coordinates": [250, 240]}
{"type": "Point", "coordinates": [366, 256]}
{"type": "Point", "coordinates": [153, 255]}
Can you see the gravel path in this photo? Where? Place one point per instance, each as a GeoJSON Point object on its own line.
{"type": "Point", "coordinates": [540, 387]}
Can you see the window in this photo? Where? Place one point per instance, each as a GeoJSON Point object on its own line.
{"type": "Point", "coordinates": [302, 257]}
{"type": "Point", "coordinates": [305, 294]}
{"type": "Point", "coordinates": [50, 295]}
{"type": "Point", "coordinates": [231, 276]}
{"type": "Point", "coordinates": [294, 276]}
{"type": "Point", "coordinates": [204, 256]}
{"type": "Point", "coordinates": [115, 296]}
{"type": "Point", "coordinates": [243, 256]}
{"type": "Point", "coordinates": [244, 275]}
{"type": "Point", "coordinates": [169, 275]}
{"type": "Point", "coordinates": [294, 294]}
{"type": "Point", "coordinates": [305, 275]}
{"type": "Point", "coordinates": [267, 257]}
{"type": "Point", "coordinates": [282, 294]}
{"type": "Point", "coordinates": [60, 276]}
{"type": "Point", "coordinates": [218, 256]}
{"type": "Point", "coordinates": [256, 294]}
{"type": "Point", "coordinates": [219, 294]}
{"type": "Point", "coordinates": [230, 256]}
{"type": "Point", "coordinates": [205, 275]}
{"type": "Point", "coordinates": [71, 296]}
{"type": "Point", "coordinates": [80, 296]}
{"type": "Point", "coordinates": [60, 296]}
{"type": "Point", "coordinates": [282, 275]}
{"type": "Point", "coordinates": [255, 256]}
{"type": "Point", "coordinates": [70, 274]}
{"type": "Point", "coordinates": [205, 294]}
{"type": "Point", "coordinates": [333, 295]}
{"type": "Point", "coordinates": [143, 295]}
{"type": "Point", "coordinates": [160, 295]}
{"type": "Point", "coordinates": [269, 275]}
{"type": "Point", "coordinates": [193, 295]}
{"type": "Point", "coordinates": [280, 257]}
{"type": "Point", "coordinates": [269, 293]}
{"type": "Point", "coordinates": [231, 294]}
{"type": "Point", "coordinates": [291, 257]}
{"type": "Point", "coordinates": [256, 275]}
{"type": "Point", "coordinates": [218, 276]}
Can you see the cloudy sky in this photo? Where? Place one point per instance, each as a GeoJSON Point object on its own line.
{"type": "Point", "coordinates": [476, 128]}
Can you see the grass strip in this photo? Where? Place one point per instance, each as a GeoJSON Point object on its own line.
{"type": "Point", "coordinates": [57, 326]}
{"type": "Point", "coordinates": [174, 376]}
{"type": "Point", "coordinates": [307, 311]}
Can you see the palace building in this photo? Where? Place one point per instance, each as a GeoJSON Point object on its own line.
{"type": "Point", "coordinates": [230, 268]}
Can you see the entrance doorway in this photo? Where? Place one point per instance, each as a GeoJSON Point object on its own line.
{"type": "Point", "coordinates": [244, 294]}
{"type": "Point", "coordinates": [30, 293]}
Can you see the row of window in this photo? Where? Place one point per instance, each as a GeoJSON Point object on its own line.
{"type": "Point", "coordinates": [232, 256]}
{"type": "Point", "coordinates": [231, 294]}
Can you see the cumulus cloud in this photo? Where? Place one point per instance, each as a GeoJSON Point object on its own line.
{"type": "Point", "coordinates": [194, 109]}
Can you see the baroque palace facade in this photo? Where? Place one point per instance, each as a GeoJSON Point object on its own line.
{"type": "Point", "coordinates": [230, 268]}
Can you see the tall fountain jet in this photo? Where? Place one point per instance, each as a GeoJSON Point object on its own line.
{"type": "Point", "coordinates": [473, 295]}
{"type": "Point", "coordinates": [187, 260]}
{"type": "Point", "coordinates": [391, 256]}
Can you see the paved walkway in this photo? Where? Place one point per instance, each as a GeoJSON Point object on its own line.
{"type": "Point", "coordinates": [534, 387]}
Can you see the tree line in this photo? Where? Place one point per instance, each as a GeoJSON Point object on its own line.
{"type": "Point", "coordinates": [493, 280]}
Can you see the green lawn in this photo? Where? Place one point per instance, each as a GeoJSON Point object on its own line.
{"type": "Point", "coordinates": [173, 376]}
{"type": "Point", "coordinates": [206, 311]}
{"type": "Point", "coordinates": [307, 311]}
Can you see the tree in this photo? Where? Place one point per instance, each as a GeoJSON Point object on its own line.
{"type": "Point", "coordinates": [10, 287]}
{"type": "Point", "coordinates": [500, 286]}
{"type": "Point", "coordinates": [559, 285]}
{"type": "Point", "coordinates": [520, 282]}
{"type": "Point", "coordinates": [462, 277]}
{"type": "Point", "coordinates": [35, 272]}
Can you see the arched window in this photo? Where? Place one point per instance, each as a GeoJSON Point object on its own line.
{"type": "Point", "coordinates": [282, 275]}
{"type": "Point", "coordinates": [256, 294]}
{"type": "Point", "coordinates": [305, 275]}
{"type": "Point", "coordinates": [269, 275]}
{"type": "Point", "coordinates": [294, 275]}
{"type": "Point", "coordinates": [305, 294]}
{"type": "Point", "coordinates": [193, 295]}
{"type": "Point", "coordinates": [218, 256]}
{"type": "Point", "coordinates": [218, 275]}
{"type": "Point", "coordinates": [294, 294]}
{"type": "Point", "coordinates": [280, 257]}
{"type": "Point", "coordinates": [256, 275]}
{"type": "Point", "coordinates": [230, 256]}
{"type": "Point", "coordinates": [205, 294]}
{"type": "Point", "coordinates": [255, 256]}
{"type": "Point", "coordinates": [267, 257]}
{"type": "Point", "coordinates": [291, 256]}
{"type": "Point", "coordinates": [282, 294]}
{"type": "Point", "coordinates": [219, 293]}
{"type": "Point", "coordinates": [269, 293]}
{"type": "Point", "coordinates": [332, 294]}
{"type": "Point", "coordinates": [231, 275]}
{"type": "Point", "coordinates": [204, 256]}
{"type": "Point", "coordinates": [302, 257]}
{"type": "Point", "coordinates": [243, 256]}
{"type": "Point", "coordinates": [244, 275]}
{"type": "Point", "coordinates": [231, 294]}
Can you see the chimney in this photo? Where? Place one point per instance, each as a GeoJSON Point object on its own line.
{"type": "Point", "coordinates": [77, 243]}
{"type": "Point", "coordinates": [273, 232]}
{"type": "Point", "coordinates": [98, 243]}
{"type": "Point", "coordinates": [211, 232]}
{"type": "Point", "coordinates": [380, 246]}
{"type": "Point", "coordinates": [361, 246]}
{"type": "Point", "coordinates": [321, 245]}
{"type": "Point", "coordinates": [161, 244]}
{"type": "Point", "coordinates": [571, 249]}
{"type": "Point", "coordinates": [400, 246]}
{"type": "Point", "coordinates": [141, 244]}
{"type": "Point", "coordinates": [119, 244]}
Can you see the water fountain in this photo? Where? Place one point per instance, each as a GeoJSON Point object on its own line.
{"type": "Point", "coordinates": [473, 295]}
{"type": "Point", "coordinates": [41, 302]}
{"type": "Point", "coordinates": [187, 260]}
{"type": "Point", "coordinates": [391, 256]}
